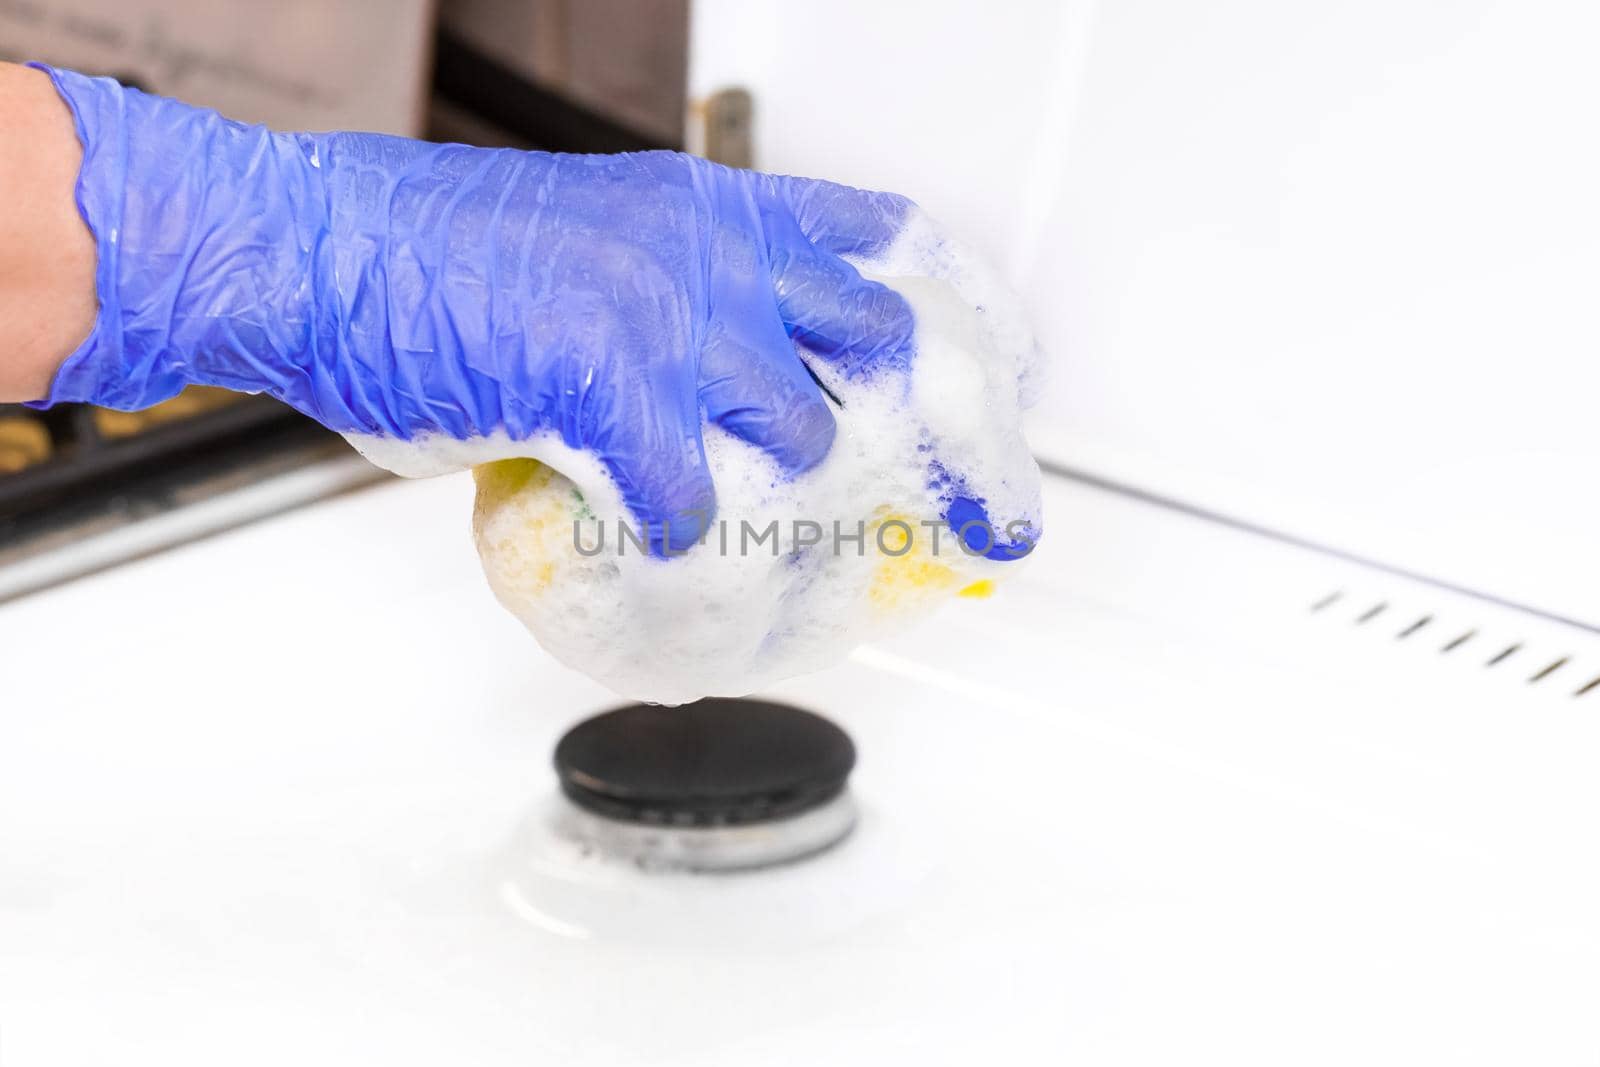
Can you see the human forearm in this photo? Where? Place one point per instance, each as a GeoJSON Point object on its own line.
{"type": "Point", "coordinates": [47, 257]}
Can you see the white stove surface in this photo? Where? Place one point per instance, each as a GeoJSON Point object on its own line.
{"type": "Point", "coordinates": [266, 799]}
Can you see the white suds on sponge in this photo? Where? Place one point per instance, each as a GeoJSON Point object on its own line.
{"type": "Point", "coordinates": [780, 584]}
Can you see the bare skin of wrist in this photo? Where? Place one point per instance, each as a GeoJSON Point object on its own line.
{"type": "Point", "coordinates": [47, 255]}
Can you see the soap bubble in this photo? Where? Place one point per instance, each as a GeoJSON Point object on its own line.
{"type": "Point", "coordinates": [792, 573]}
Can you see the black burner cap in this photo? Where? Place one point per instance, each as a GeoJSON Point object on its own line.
{"type": "Point", "coordinates": [715, 762]}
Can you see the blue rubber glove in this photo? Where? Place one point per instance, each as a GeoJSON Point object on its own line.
{"type": "Point", "coordinates": [399, 291]}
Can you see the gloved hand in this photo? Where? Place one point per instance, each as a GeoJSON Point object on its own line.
{"type": "Point", "coordinates": [444, 305]}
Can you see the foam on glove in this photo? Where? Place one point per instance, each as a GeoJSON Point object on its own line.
{"type": "Point", "coordinates": [863, 544]}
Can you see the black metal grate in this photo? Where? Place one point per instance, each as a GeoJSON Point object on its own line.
{"type": "Point", "coordinates": [88, 474]}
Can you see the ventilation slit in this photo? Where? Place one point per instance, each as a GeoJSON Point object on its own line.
{"type": "Point", "coordinates": [1414, 627]}
{"type": "Point", "coordinates": [1510, 651]}
{"type": "Point", "coordinates": [1372, 612]}
{"type": "Point", "coordinates": [1548, 671]}
{"type": "Point", "coordinates": [1327, 601]}
{"type": "Point", "coordinates": [1458, 642]}
{"type": "Point", "coordinates": [1593, 683]}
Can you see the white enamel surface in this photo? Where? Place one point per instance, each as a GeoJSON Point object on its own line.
{"type": "Point", "coordinates": [261, 799]}
{"type": "Point", "coordinates": [1331, 266]}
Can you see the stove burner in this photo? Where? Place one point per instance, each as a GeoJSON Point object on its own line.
{"type": "Point", "coordinates": [713, 763]}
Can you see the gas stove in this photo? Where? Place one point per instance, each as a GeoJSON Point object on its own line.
{"type": "Point", "coordinates": [1178, 786]}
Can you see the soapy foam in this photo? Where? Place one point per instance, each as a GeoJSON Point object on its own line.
{"type": "Point", "coordinates": [731, 615]}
